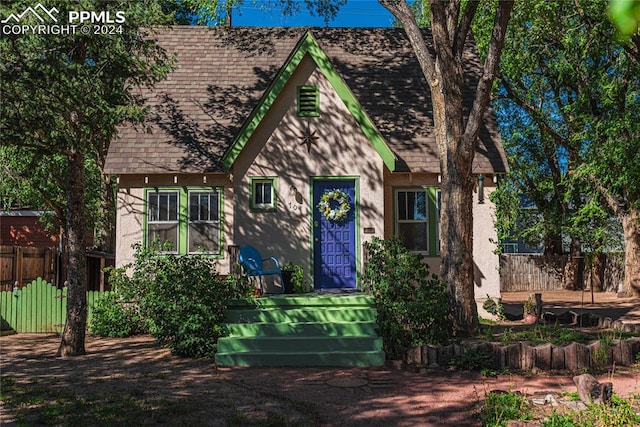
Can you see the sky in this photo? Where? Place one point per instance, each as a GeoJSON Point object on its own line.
{"type": "Point", "coordinates": [355, 13]}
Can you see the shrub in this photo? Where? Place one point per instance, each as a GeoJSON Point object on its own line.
{"type": "Point", "coordinates": [412, 305]}
{"type": "Point", "coordinates": [114, 317]}
{"type": "Point", "coordinates": [181, 298]}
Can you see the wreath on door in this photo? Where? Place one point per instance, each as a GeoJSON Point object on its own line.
{"type": "Point", "coordinates": [335, 205]}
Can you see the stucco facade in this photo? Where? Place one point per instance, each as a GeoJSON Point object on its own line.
{"type": "Point", "coordinates": [225, 131]}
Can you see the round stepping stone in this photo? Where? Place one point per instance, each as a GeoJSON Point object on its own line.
{"type": "Point", "coordinates": [347, 382]}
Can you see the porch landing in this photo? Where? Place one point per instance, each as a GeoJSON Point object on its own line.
{"type": "Point", "coordinates": [301, 330]}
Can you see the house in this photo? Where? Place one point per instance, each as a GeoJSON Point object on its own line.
{"type": "Point", "coordinates": [303, 142]}
{"type": "Point", "coordinates": [22, 227]}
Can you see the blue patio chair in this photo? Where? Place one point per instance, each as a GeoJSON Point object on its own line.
{"type": "Point", "coordinates": [252, 263]}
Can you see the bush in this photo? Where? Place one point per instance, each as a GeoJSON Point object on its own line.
{"type": "Point", "coordinates": [413, 306]}
{"type": "Point", "coordinates": [116, 318]}
{"type": "Point", "coordinates": [180, 298]}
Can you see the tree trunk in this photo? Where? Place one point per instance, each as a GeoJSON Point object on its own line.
{"type": "Point", "coordinates": [597, 271]}
{"type": "Point", "coordinates": [443, 69]}
{"type": "Point", "coordinates": [457, 250]}
{"type": "Point", "coordinates": [73, 335]}
{"type": "Point", "coordinates": [631, 230]}
{"type": "Point", "coordinates": [552, 244]}
{"type": "Point", "coordinates": [456, 160]}
{"type": "Point", "coordinates": [108, 215]}
{"type": "Point", "coordinates": [571, 276]}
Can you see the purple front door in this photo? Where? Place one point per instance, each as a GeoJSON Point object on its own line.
{"type": "Point", "coordinates": [334, 241]}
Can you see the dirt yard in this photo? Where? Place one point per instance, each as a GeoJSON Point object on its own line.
{"type": "Point", "coordinates": [176, 391]}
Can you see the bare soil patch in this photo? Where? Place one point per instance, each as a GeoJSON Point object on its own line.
{"type": "Point", "coordinates": [196, 392]}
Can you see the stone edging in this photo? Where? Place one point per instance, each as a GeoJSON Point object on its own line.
{"type": "Point", "coordinates": [520, 356]}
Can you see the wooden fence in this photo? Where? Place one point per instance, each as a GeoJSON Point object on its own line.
{"type": "Point", "coordinates": [533, 272]}
{"type": "Point", "coordinates": [25, 264]}
{"type": "Point", "coordinates": [39, 307]}
{"type": "Point", "coordinates": [22, 265]}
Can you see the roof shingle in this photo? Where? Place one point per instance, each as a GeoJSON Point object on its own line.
{"type": "Point", "coordinates": [222, 73]}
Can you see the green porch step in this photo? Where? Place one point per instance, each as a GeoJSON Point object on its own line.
{"type": "Point", "coordinates": [308, 314]}
{"type": "Point", "coordinates": [302, 359]}
{"type": "Point", "coordinates": [301, 330]}
{"type": "Point", "coordinates": [309, 344]}
{"type": "Point", "coordinates": [333, 329]}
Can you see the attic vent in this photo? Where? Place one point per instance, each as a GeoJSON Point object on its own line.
{"type": "Point", "coordinates": [308, 101]}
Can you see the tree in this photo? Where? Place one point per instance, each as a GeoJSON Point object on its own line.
{"type": "Point", "coordinates": [63, 96]}
{"type": "Point", "coordinates": [569, 100]}
{"type": "Point", "coordinates": [456, 133]}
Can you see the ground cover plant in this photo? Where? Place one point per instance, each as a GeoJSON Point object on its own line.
{"type": "Point", "coordinates": [178, 299]}
{"type": "Point", "coordinates": [501, 407]}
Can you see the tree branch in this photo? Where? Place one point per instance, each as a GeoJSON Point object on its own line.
{"type": "Point", "coordinates": [462, 32]}
{"type": "Point", "coordinates": [483, 91]}
{"type": "Point", "coordinates": [401, 10]}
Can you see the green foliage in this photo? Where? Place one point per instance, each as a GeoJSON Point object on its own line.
{"type": "Point", "coordinates": [298, 279]}
{"type": "Point", "coordinates": [181, 298]}
{"type": "Point", "coordinates": [569, 108]}
{"type": "Point", "coordinates": [115, 317]}
{"type": "Point", "coordinates": [413, 307]}
{"type": "Point", "coordinates": [500, 407]}
{"type": "Point", "coordinates": [619, 412]}
{"type": "Point", "coordinates": [625, 14]}
{"type": "Point", "coordinates": [64, 93]}
{"type": "Point", "coordinates": [494, 306]}
{"type": "Point", "coordinates": [538, 334]}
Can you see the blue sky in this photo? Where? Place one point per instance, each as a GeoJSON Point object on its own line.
{"type": "Point", "coordinates": [355, 13]}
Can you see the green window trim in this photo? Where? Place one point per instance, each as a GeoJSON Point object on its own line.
{"type": "Point", "coordinates": [432, 220]}
{"type": "Point", "coordinates": [308, 101]}
{"type": "Point", "coordinates": [257, 197]}
{"type": "Point", "coordinates": [183, 215]}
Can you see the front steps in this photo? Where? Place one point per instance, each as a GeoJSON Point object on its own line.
{"type": "Point", "coordinates": [301, 330]}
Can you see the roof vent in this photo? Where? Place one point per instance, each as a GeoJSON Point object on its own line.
{"type": "Point", "coordinates": [308, 101]}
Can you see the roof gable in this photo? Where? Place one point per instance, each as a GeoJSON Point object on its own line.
{"type": "Point", "coordinates": [309, 46]}
{"type": "Point", "coordinates": [226, 79]}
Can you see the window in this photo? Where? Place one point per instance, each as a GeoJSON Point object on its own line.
{"type": "Point", "coordinates": [412, 215]}
{"type": "Point", "coordinates": [263, 195]}
{"type": "Point", "coordinates": [204, 221]}
{"type": "Point", "coordinates": [308, 101]}
{"type": "Point", "coordinates": [162, 217]}
{"type": "Point", "coordinates": [188, 218]}
{"type": "Point", "coordinates": [510, 248]}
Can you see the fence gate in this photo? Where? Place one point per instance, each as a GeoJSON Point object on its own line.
{"type": "Point", "coordinates": [38, 307]}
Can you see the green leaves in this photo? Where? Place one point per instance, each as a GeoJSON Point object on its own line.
{"type": "Point", "coordinates": [569, 104]}
{"type": "Point", "coordinates": [179, 298]}
{"type": "Point", "coordinates": [413, 306]}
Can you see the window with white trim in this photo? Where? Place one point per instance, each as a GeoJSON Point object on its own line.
{"type": "Point", "coordinates": [203, 231]}
{"type": "Point", "coordinates": [263, 194]}
{"type": "Point", "coordinates": [412, 218]}
{"type": "Point", "coordinates": [162, 217]}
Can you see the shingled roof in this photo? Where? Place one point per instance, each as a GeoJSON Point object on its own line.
{"type": "Point", "coordinates": [222, 74]}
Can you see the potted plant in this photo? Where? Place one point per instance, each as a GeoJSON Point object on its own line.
{"type": "Point", "coordinates": [529, 313]}
{"type": "Point", "coordinates": [293, 277]}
